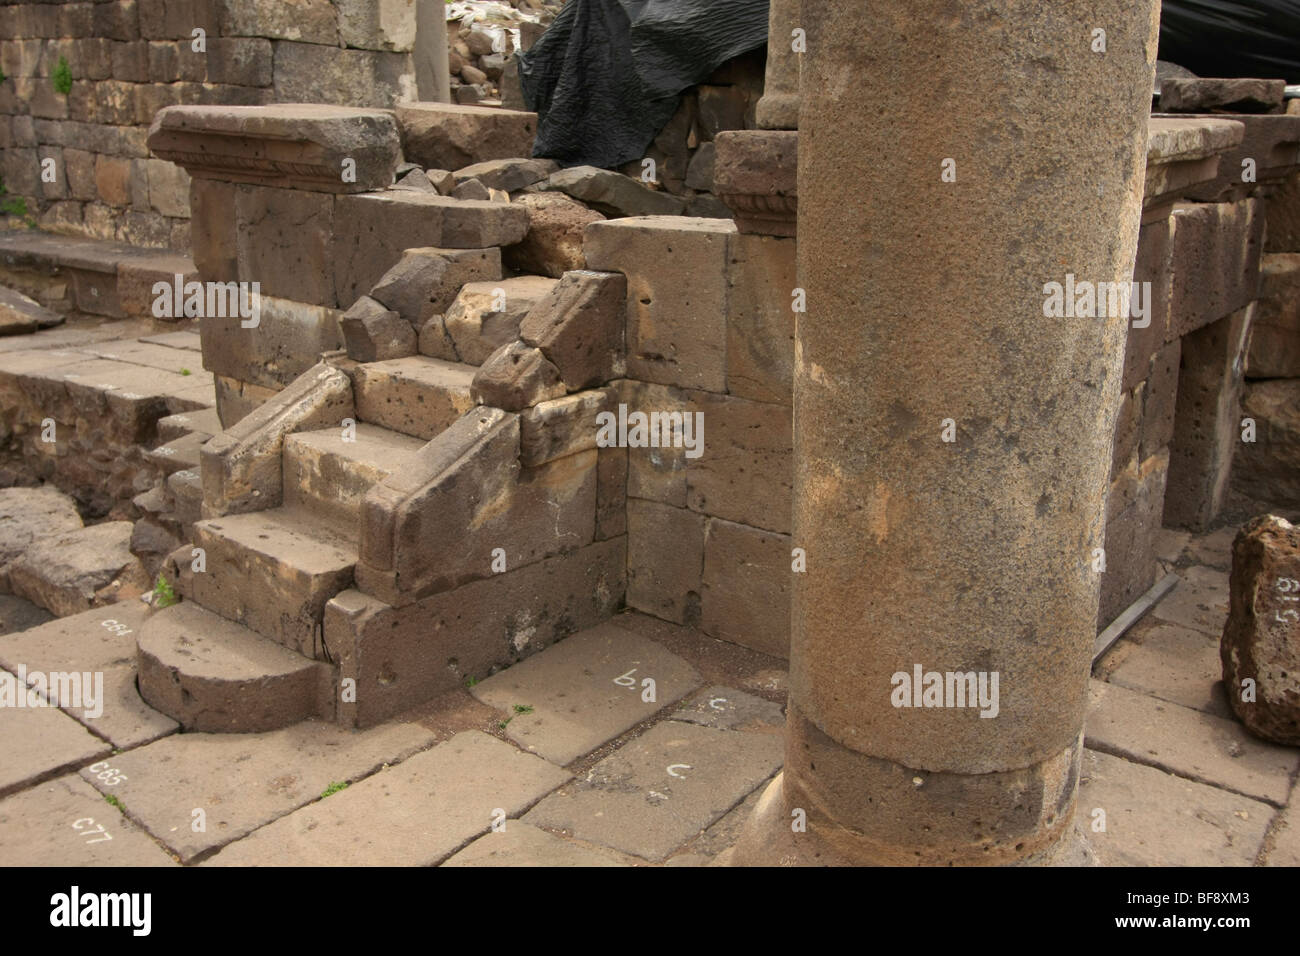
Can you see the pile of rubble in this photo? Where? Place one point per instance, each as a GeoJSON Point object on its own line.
{"type": "Point", "coordinates": [482, 36]}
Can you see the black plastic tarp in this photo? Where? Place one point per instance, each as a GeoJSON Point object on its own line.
{"type": "Point", "coordinates": [1259, 38]}
{"type": "Point", "coordinates": [607, 75]}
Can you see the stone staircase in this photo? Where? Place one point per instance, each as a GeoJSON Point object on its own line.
{"type": "Point", "coordinates": [365, 488]}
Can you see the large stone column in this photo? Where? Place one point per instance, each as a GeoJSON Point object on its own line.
{"type": "Point", "coordinates": [779, 106]}
{"type": "Point", "coordinates": [925, 320]}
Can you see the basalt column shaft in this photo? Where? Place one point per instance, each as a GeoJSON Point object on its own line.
{"type": "Point", "coordinates": [779, 106]}
{"type": "Point", "coordinates": [952, 441]}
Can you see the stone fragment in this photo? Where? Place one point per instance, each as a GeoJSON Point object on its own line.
{"type": "Point", "coordinates": [443, 180]}
{"type": "Point", "coordinates": [449, 136]}
{"type": "Point", "coordinates": [20, 315]}
{"type": "Point", "coordinates": [508, 174]}
{"type": "Point", "coordinates": [63, 573]}
{"type": "Point", "coordinates": [487, 315]}
{"type": "Point", "coordinates": [471, 189]}
{"type": "Point", "coordinates": [553, 244]}
{"type": "Point", "coordinates": [333, 149]}
{"type": "Point", "coordinates": [579, 328]}
{"type": "Point", "coordinates": [613, 193]}
{"type": "Point", "coordinates": [373, 333]}
{"type": "Point", "coordinates": [427, 281]}
{"type": "Point", "coordinates": [1213, 95]}
{"type": "Point", "coordinates": [1261, 641]}
{"type": "Point", "coordinates": [28, 515]}
{"type": "Point", "coordinates": [586, 691]}
{"type": "Point", "coordinates": [755, 174]}
{"type": "Point", "coordinates": [417, 180]}
{"type": "Point", "coordinates": [516, 377]}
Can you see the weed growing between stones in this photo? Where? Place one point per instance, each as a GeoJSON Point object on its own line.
{"type": "Point", "coordinates": [62, 77]}
{"type": "Point", "coordinates": [333, 788]}
{"type": "Point", "coordinates": [164, 595]}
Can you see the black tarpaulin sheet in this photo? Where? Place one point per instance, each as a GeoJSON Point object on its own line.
{"type": "Point", "coordinates": [1259, 38]}
{"type": "Point", "coordinates": [606, 76]}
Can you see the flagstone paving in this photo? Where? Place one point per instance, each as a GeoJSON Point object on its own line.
{"type": "Point", "coordinates": [571, 759]}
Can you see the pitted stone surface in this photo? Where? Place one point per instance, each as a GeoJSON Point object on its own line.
{"type": "Point", "coordinates": [522, 845]}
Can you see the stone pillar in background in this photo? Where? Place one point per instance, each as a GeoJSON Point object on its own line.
{"type": "Point", "coordinates": [432, 71]}
{"type": "Point", "coordinates": [925, 314]}
{"type": "Point", "coordinates": [779, 107]}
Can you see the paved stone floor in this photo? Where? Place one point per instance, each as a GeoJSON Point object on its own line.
{"type": "Point", "coordinates": [634, 743]}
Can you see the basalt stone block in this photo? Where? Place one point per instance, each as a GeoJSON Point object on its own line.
{"type": "Point", "coordinates": [745, 597]}
{"type": "Point", "coordinates": [374, 230]}
{"type": "Point", "coordinates": [1213, 95]}
{"type": "Point", "coordinates": [306, 21]}
{"type": "Point", "coordinates": [453, 136]}
{"type": "Point", "coordinates": [213, 230]}
{"type": "Point", "coordinates": [373, 333]}
{"type": "Point", "coordinates": [377, 24]}
{"type": "Point", "coordinates": [1207, 421]}
{"type": "Point", "coordinates": [1134, 509]}
{"type": "Point", "coordinates": [755, 173]}
{"type": "Point", "coordinates": [677, 299]}
{"type": "Point", "coordinates": [613, 193]}
{"type": "Point", "coordinates": [515, 377]}
{"type": "Point", "coordinates": [333, 149]}
{"type": "Point", "coordinates": [1275, 341]}
{"type": "Point", "coordinates": [553, 244]}
{"type": "Point", "coordinates": [471, 189]}
{"type": "Point", "coordinates": [282, 240]}
{"type": "Point", "coordinates": [427, 281]}
{"type": "Point", "coordinates": [665, 561]}
{"type": "Point", "coordinates": [508, 174]}
{"type": "Point", "coordinates": [487, 315]}
{"type": "Point", "coordinates": [1260, 648]}
{"type": "Point", "coordinates": [1216, 249]}
{"type": "Point", "coordinates": [1267, 468]}
{"type": "Point", "coordinates": [579, 328]}
{"type": "Point", "coordinates": [760, 319]}
{"type": "Point", "coordinates": [1160, 400]}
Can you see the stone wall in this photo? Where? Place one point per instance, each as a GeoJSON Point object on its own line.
{"type": "Point", "coordinates": [127, 59]}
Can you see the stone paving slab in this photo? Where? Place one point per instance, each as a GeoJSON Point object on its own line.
{"type": "Point", "coordinates": [720, 837]}
{"type": "Point", "coordinates": [1283, 845]}
{"type": "Point", "coordinates": [415, 814]}
{"type": "Point", "coordinates": [661, 789]}
{"type": "Point", "coordinates": [244, 781]}
{"type": "Point", "coordinates": [1214, 549]}
{"type": "Point", "coordinates": [729, 709]}
{"type": "Point", "coordinates": [1156, 819]}
{"type": "Point", "coordinates": [1176, 664]}
{"type": "Point", "coordinates": [176, 340]}
{"type": "Point", "coordinates": [1170, 544]}
{"type": "Point", "coordinates": [127, 721]}
{"type": "Point", "coordinates": [585, 691]}
{"type": "Point", "coordinates": [148, 355]}
{"type": "Point", "coordinates": [92, 640]}
{"type": "Point", "coordinates": [67, 822]}
{"type": "Point", "coordinates": [1199, 601]}
{"type": "Point", "coordinates": [1188, 743]}
{"type": "Point", "coordinates": [41, 742]}
{"type": "Point", "coordinates": [522, 845]}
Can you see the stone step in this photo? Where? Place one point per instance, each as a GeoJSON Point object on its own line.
{"type": "Point", "coordinates": [186, 491]}
{"type": "Point", "coordinates": [271, 571]}
{"type": "Point", "coordinates": [179, 454]}
{"type": "Point", "coordinates": [214, 676]}
{"type": "Point", "coordinates": [328, 474]}
{"type": "Point", "coordinates": [417, 395]}
{"type": "Point", "coordinates": [203, 421]}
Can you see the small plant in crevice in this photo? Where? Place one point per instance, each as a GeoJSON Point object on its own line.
{"type": "Point", "coordinates": [164, 595]}
{"type": "Point", "coordinates": [62, 77]}
{"type": "Point", "coordinates": [333, 788]}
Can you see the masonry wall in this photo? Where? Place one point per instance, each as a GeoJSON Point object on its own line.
{"type": "Point", "coordinates": [127, 59]}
